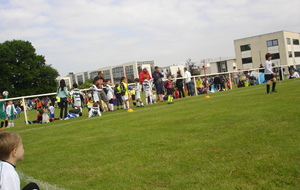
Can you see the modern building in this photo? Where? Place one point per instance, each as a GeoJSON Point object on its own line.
{"type": "Point", "coordinates": [283, 45]}
{"type": "Point", "coordinates": [131, 70]}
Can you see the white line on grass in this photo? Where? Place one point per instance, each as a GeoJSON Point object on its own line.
{"type": "Point", "coordinates": [41, 184]}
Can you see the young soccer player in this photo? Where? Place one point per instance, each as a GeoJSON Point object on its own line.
{"type": "Point", "coordinates": [170, 88]}
{"type": "Point", "coordinates": [78, 96]}
{"type": "Point", "coordinates": [39, 117]}
{"type": "Point", "coordinates": [11, 152]}
{"type": "Point", "coordinates": [118, 94]}
{"type": "Point", "coordinates": [269, 74]}
{"type": "Point", "coordinates": [123, 87]}
{"type": "Point", "coordinates": [95, 91]}
{"type": "Point", "coordinates": [137, 89]}
{"type": "Point", "coordinates": [109, 94]}
{"type": "Point", "coordinates": [95, 110]}
{"type": "Point", "coordinates": [147, 90]}
{"type": "Point", "coordinates": [3, 116]}
{"type": "Point", "coordinates": [51, 109]}
{"type": "Point", "coordinates": [11, 112]}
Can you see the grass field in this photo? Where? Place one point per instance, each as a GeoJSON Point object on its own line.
{"type": "Point", "coordinates": [237, 139]}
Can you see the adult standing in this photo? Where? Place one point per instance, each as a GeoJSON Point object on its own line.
{"type": "Point", "coordinates": [188, 82]}
{"type": "Point", "coordinates": [62, 93]}
{"type": "Point", "coordinates": [235, 76]}
{"type": "Point", "coordinates": [179, 84]}
{"type": "Point", "coordinates": [102, 95]}
{"type": "Point", "coordinates": [269, 75]}
{"type": "Point", "coordinates": [142, 75]}
{"type": "Point", "coordinates": [157, 80]}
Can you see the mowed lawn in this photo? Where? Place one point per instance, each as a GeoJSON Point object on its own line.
{"type": "Point", "coordinates": [237, 139]}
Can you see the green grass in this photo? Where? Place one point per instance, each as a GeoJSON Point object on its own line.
{"type": "Point", "coordinates": [237, 139]}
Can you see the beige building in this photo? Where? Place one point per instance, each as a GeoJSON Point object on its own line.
{"type": "Point", "coordinates": [283, 45]}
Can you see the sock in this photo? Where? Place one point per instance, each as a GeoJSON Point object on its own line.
{"type": "Point", "coordinates": [9, 124]}
{"type": "Point", "coordinates": [12, 124]}
{"type": "Point", "coordinates": [268, 88]}
{"type": "Point", "coordinates": [6, 123]}
{"type": "Point", "coordinates": [127, 104]}
{"type": "Point", "coordinates": [124, 105]}
{"type": "Point", "coordinates": [138, 103]}
{"type": "Point", "coordinates": [146, 100]}
{"type": "Point", "coordinates": [273, 86]}
{"type": "Point", "coordinates": [151, 101]}
{"type": "Point", "coordinates": [2, 123]}
{"type": "Point", "coordinates": [142, 104]}
{"type": "Point", "coordinates": [171, 99]}
{"type": "Point", "coordinates": [111, 107]}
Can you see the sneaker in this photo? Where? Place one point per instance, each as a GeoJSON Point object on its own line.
{"type": "Point", "coordinates": [274, 90]}
{"type": "Point", "coordinates": [66, 118]}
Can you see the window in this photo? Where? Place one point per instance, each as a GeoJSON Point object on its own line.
{"type": "Point", "coordinates": [247, 60]}
{"type": "Point", "coordinates": [295, 41]}
{"type": "Point", "coordinates": [275, 56]}
{"type": "Point", "coordinates": [246, 47]}
{"type": "Point", "coordinates": [271, 43]}
{"type": "Point", "coordinates": [297, 53]}
{"type": "Point", "coordinates": [290, 54]}
{"type": "Point", "coordinates": [288, 41]}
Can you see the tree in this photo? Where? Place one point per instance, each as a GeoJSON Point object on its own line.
{"type": "Point", "coordinates": [23, 72]}
{"type": "Point", "coordinates": [87, 84]}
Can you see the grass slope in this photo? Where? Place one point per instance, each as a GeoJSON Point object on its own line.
{"type": "Point", "coordinates": [238, 139]}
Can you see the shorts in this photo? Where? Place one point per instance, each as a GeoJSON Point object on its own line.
{"type": "Point", "coordinates": [169, 91]}
{"type": "Point", "coordinates": [269, 77]}
{"type": "Point", "coordinates": [11, 118]}
{"type": "Point", "coordinates": [159, 88]}
{"type": "Point", "coordinates": [137, 95]}
{"type": "Point", "coordinates": [148, 93]}
{"type": "Point", "coordinates": [3, 115]}
{"type": "Point", "coordinates": [125, 97]}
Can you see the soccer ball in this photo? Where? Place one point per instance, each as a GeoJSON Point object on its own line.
{"type": "Point", "coordinates": [5, 93]}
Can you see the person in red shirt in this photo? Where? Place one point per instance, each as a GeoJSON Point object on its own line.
{"type": "Point", "coordinates": [142, 75]}
{"type": "Point", "coordinates": [170, 89]}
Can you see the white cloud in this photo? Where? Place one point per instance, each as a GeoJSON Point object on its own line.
{"type": "Point", "coordinates": [82, 35]}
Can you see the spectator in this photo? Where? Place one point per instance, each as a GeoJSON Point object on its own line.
{"type": "Point", "coordinates": [188, 82]}
{"type": "Point", "coordinates": [62, 93]}
{"type": "Point", "coordinates": [179, 85]}
{"type": "Point", "coordinates": [102, 95]}
{"type": "Point", "coordinates": [142, 75]}
{"type": "Point", "coordinates": [157, 80]}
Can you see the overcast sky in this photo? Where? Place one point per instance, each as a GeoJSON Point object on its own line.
{"type": "Point", "coordinates": [82, 35]}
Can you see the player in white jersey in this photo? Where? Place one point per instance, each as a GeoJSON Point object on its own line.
{"type": "Point", "coordinates": [147, 88]}
{"type": "Point", "coordinates": [95, 110]}
{"type": "Point", "coordinates": [137, 89]}
{"type": "Point", "coordinates": [109, 94]}
{"type": "Point", "coordinates": [77, 96]}
{"type": "Point", "coordinates": [95, 91]}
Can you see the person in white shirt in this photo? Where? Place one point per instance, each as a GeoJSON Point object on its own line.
{"type": "Point", "coordinates": [95, 110]}
{"type": "Point", "coordinates": [11, 152]}
{"type": "Point", "coordinates": [269, 75]}
{"type": "Point", "coordinates": [295, 74]}
{"type": "Point", "coordinates": [109, 94]}
{"type": "Point", "coordinates": [147, 90]}
{"type": "Point", "coordinates": [77, 97]}
{"type": "Point", "coordinates": [188, 82]}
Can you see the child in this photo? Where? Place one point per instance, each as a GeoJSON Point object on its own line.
{"type": "Point", "coordinates": [110, 94]}
{"type": "Point", "coordinates": [123, 87]}
{"type": "Point", "coordinates": [269, 74]}
{"type": "Point", "coordinates": [90, 104]}
{"type": "Point", "coordinates": [132, 95]}
{"type": "Point", "coordinates": [147, 90]}
{"type": "Point", "coordinates": [11, 152]}
{"type": "Point", "coordinates": [138, 93]}
{"type": "Point", "coordinates": [169, 87]}
{"type": "Point", "coordinates": [118, 96]}
{"type": "Point", "coordinates": [11, 112]}
{"type": "Point", "coordinates": [18, 109]}
{"type": "Point", "coordinates": [77, 97]}
{"type": "Point", "coordinates": [95, 91]}
{"type": "Point", "coordinates": [39, 117]}
{"type": "Point", "coordinates": [3, 115]}
{"type": "Point", "coordinates": [51, 109]}
{"type": "Point", "coordinates": [95, 110]}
